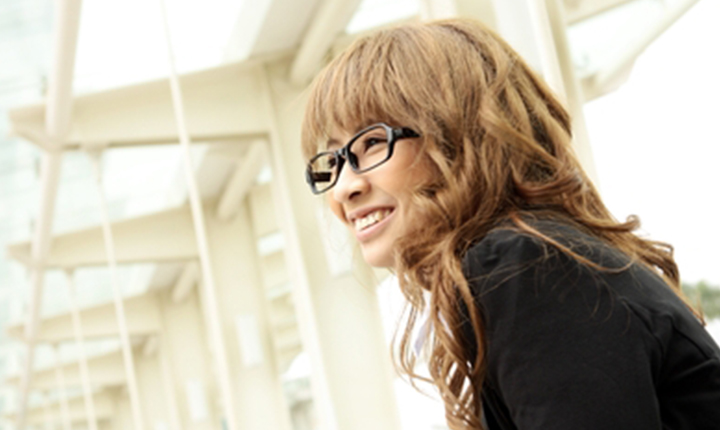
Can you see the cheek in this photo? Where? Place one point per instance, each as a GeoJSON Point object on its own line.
{"type": "Point", "coordinates": [336, 208]}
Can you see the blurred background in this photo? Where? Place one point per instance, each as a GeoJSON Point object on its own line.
{"type": "Point", "coordinates": [165, 266]}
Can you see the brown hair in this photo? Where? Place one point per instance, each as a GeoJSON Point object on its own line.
{"type": "Point", "coordinates": [501, 145]}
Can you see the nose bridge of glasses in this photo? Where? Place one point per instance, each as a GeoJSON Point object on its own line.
{"type": "Point", "coordinates": [348, 183]}
{"type": "Point", "coordinates": [345, 153]}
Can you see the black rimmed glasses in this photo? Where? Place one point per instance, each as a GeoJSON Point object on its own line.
{"type": "Point", "coordinates": [369, 148]}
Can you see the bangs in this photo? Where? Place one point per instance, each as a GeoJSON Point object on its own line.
{"type": "Point", "coordinates": [357, 89]}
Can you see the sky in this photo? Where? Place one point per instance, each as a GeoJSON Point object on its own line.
{"type": "Point", "coordinates": [656, 145]}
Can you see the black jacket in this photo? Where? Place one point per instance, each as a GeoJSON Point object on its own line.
{"type": "Point", "coordinates": [570, 347]}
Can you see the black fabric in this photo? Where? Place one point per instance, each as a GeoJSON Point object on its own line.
{"type": "Point", "coordinates": [571, 347]}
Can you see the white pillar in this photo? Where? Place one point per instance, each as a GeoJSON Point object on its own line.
{"type": "Point", "coordinates": [260, 401]}
{"type": "Point", "coordinates": [339, 316]}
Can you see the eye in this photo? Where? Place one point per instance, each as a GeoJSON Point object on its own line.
{"type": "Point", "coordinates": [371, 141]}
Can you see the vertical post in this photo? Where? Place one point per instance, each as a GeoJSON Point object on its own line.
{"type": "Point", "coordinates": [117, 297]}
{"type": "Point", "coordinates": [82, 357]}
{"type": "Point", "coordinates": [208, 284]}
{"type": "Point", "coordinates": [60, 381]}
{"type": "Point", "coordinates": [168, 386]}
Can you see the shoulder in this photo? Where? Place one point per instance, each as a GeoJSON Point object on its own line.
{"type": "Point", "coordinates": [517, 277]}
{"type": "Point", "coordinates": [592, 335]}
{"type": "Point", "coordinates": [507, 251]}
{"type": "Point", "coordinates": [502, 245]}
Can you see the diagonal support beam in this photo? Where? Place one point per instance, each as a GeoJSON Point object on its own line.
{"type": "Point", "coordinates": [330, 20]}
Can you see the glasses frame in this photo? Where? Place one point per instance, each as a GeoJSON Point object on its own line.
{"type": "Point", "coordinates": [341, 155]}
{"type": "Point", "coordinates": [393, 133]}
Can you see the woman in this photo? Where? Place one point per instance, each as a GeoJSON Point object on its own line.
{"type": "Point", "coordinates": [451, 162]}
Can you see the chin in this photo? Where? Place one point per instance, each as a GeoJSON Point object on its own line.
{"type": "Point", "coordinates": [377, 257]}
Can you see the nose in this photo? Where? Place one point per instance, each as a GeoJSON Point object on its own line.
{"type": "Point", "coordinates": [349, 185]}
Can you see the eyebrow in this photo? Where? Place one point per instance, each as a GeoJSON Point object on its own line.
{"type": "Point", "coordinates": [332, 143]}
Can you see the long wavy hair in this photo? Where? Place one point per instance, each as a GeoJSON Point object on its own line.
{"type": "Point", "coordinates": [500, 143]}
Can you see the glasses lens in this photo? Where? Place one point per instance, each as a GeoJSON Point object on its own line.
{"type": "Point", "coordinates": [322, 172]}
{"type": "Point", "coordinates": [371, 148]}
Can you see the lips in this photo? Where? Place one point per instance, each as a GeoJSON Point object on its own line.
{"type": "Point", "coordinates": [363, 218]}
{"type": "Point", "coordinates": [371, 218]}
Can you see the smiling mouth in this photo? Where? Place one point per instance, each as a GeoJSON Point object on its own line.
{"type": "Point", "coordinates": [371, 219]}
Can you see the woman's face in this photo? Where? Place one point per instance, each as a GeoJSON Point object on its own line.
{"type": "Point", "coordinates": [375, 205]}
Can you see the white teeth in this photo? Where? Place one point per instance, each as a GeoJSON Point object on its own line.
{"type": "Point", "coordinates": [371, 218]}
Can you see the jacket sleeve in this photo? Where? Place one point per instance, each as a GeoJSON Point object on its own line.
{"type": "Point", "coordinates": [564, 352]}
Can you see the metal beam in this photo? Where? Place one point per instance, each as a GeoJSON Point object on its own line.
{"type": "Point", "coordinates": [99, 321]}
{"type": "Point", "coordinates": [221, 106]}
{"type": "Point", "coordinates": [159, 237]}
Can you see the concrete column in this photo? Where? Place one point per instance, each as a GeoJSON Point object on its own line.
{"type": "Point", "coordinates": [260, 402]}
{"type": "Point", "coordinates": [339, 317]}
{"type": "Point", "coordinates": [537, 30]}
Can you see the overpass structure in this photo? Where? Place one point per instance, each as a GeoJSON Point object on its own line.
{"type": "Point", "coordinates": [228, 300]}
